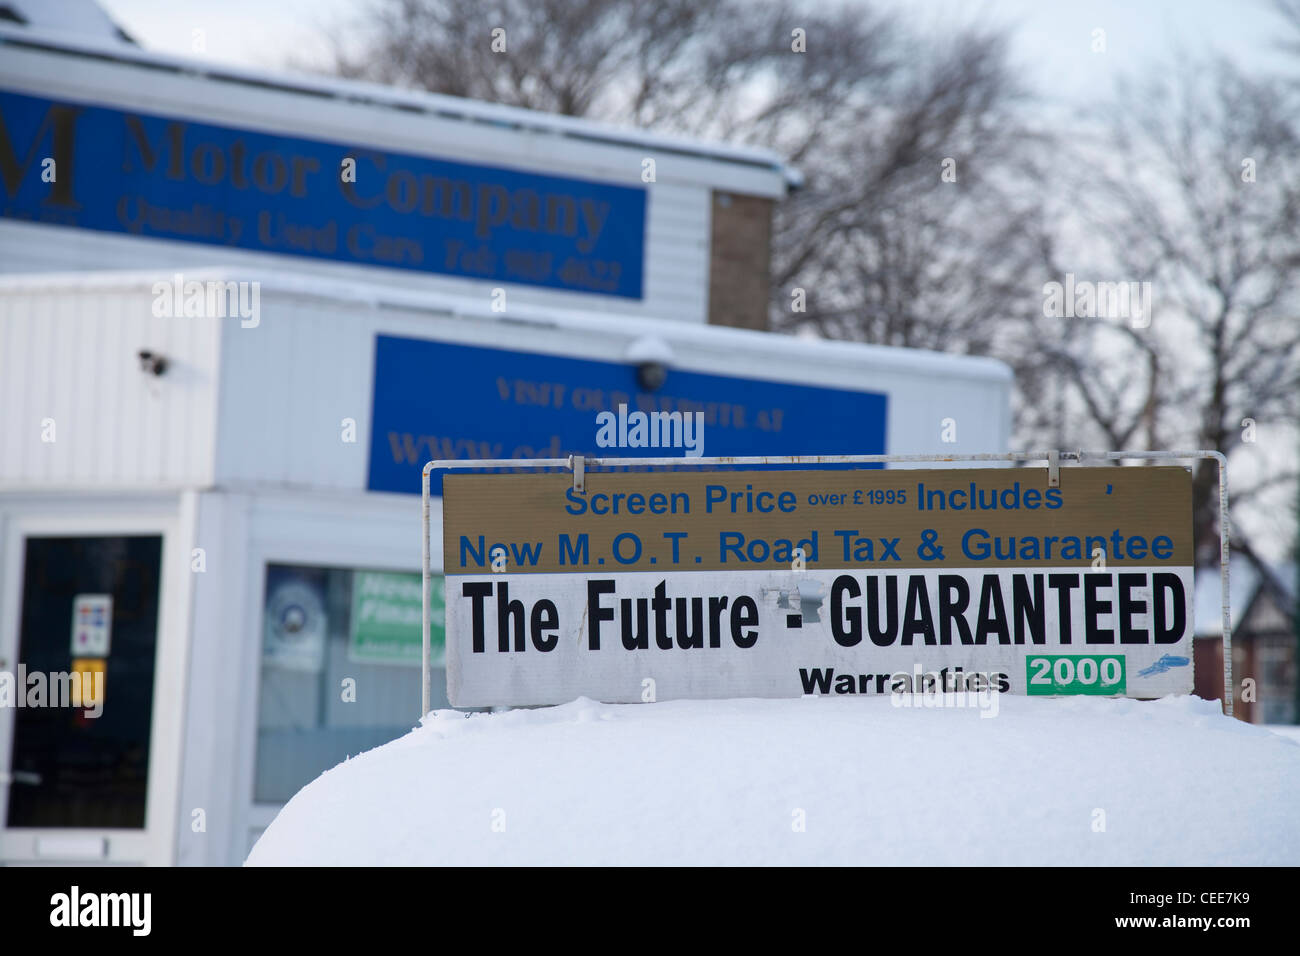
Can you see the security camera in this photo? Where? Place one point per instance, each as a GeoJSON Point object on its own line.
{"type": "Point", "coordinates": [652, 357]}
{"type": "Point", "coordinates": [151, 363]}
{"type": "Point", "coordinates": [651, 376]}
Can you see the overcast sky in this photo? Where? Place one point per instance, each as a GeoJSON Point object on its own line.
{"type": "Point", "coordinates": [1053, 38]}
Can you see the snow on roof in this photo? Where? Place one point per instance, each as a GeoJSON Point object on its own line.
{"type": "Point", "coordinates": [1287, 576]}
{"type": "Point", "coordinates": [1243, 581]}
{"type": "Point", "coordinates": [375, 295]}
{"type": "Point", "coordinates": [442, 105]}
{"type": "Point", "coordinates": [80, 18]}
{"type": "Point", "coordinates": [851, 780]}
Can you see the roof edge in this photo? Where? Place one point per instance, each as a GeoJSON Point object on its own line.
{"type": "Point", "coordinates": [374, 294]}
{"type": "Point", "coordinates": [388, 97]}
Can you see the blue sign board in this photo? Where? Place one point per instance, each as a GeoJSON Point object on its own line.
{"type": "Point", "coordinates": [169, 178]}
{"type": "Point", "coordinates": [437, 400]}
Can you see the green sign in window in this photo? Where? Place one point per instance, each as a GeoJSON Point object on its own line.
{"type": "Point", "coordinates": [385, 625]}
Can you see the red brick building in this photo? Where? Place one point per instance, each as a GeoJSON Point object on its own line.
{"type": "Point", "coordinates": [1264, 641]}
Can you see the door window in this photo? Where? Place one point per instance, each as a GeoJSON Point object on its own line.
{"type": "Point", "coordinates": [89, 610]}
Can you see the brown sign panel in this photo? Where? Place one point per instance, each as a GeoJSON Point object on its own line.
{"type": "Point", "coordinates": [707, 521]}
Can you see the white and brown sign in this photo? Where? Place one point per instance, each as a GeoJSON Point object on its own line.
{"type": "Point", "coordinates": [688, 584]}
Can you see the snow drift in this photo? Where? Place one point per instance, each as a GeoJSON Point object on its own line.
{"type": "Point", "coordinates": [809, 781]}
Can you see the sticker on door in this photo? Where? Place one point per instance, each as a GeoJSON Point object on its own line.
{"type": "Point", "coordinates": [92, 624]}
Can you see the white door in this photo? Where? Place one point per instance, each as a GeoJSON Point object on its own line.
{"type": "Point", "coordinates": [81, 774]}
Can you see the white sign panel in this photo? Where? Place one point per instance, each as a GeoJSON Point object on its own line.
{"type": "Point", "coordinates": [653, 586]}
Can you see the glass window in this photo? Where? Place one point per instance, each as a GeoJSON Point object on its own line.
{"type": "Point", "coordinates": [90, 608]}
{"type": "Point", "coordinates": [340, 669]}
{"type": "Point", "coordinates": [1276, 663]}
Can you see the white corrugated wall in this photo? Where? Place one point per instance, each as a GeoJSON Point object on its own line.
{"type": "Point", "coordinates": [69, 370]}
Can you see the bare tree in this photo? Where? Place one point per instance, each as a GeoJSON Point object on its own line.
{"type": "Point", "coordinates": [915, 227]}
{"type": "Point", "coordinates": [688, 66]}
{"type": "Point", "coordinates": [919, 230]}
{"type": "Point", "coordinates": [1196, 190]}
{"type": "Point", "coordinates": [575, 57]}
{"type": "Point", "coordinates": [1289, 11]}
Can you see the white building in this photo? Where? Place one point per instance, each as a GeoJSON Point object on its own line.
{"type": "Point", "coordinates": [217, 508]}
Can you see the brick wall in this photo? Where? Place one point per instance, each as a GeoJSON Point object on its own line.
{"type": "Point", "coordinates": [740, 261]}
{"type": "Point", "coordinates": [1207, 664]}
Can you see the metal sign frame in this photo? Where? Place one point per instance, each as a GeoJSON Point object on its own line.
{"type": "Point", "coordinates": [578, 465]}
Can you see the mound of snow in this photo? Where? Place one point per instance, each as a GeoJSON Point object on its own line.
{"type": "Point", "coordinates": [809, 781]}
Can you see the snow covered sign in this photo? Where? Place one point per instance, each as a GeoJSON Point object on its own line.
{"type": "Point", "coordinates": [659, 585]}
